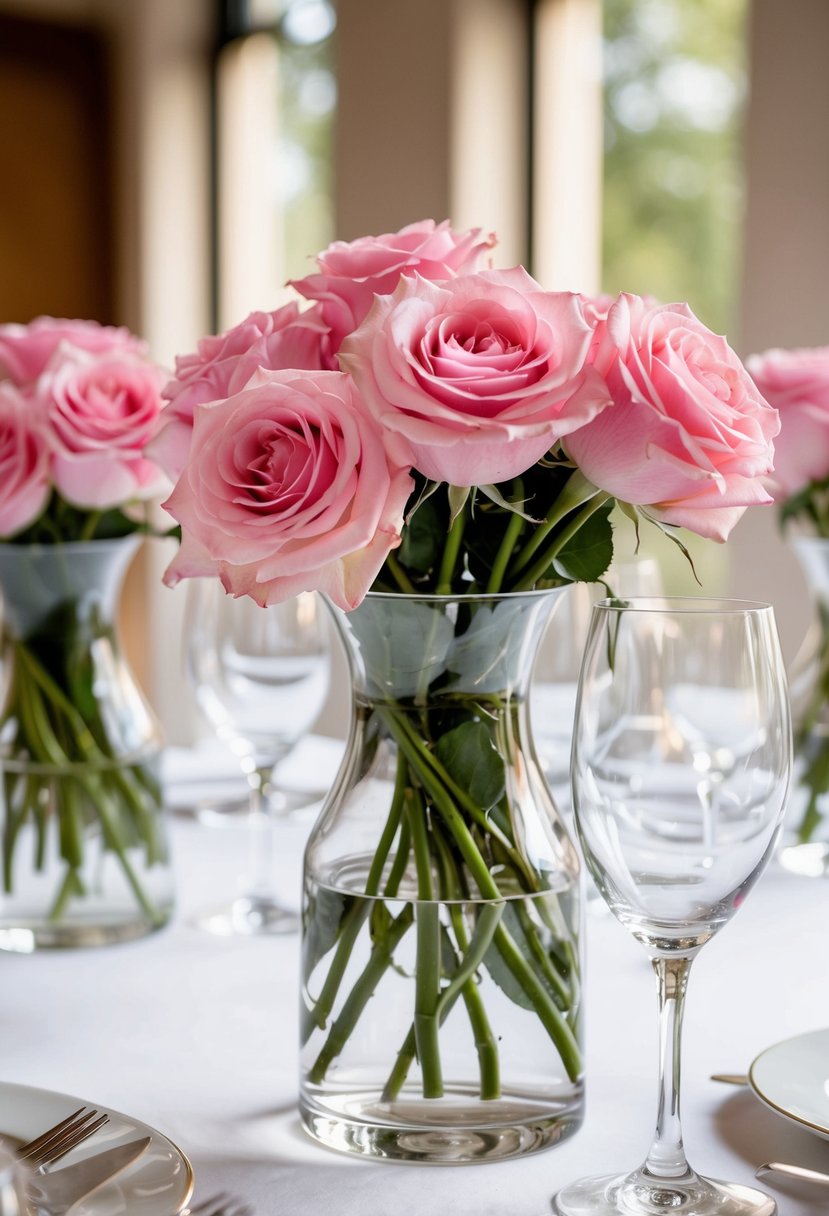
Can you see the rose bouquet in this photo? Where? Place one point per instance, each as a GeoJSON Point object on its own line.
{"type": "Point", "coordinates": [796, 382]}
{"type": "Point", "coordinates": [431, 442]}
{"type": "Point", "coordinates": [79, 403]}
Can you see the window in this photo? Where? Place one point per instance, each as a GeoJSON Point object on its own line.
{"type": "Point", "coordinates": [275, 100]}
{"type": "Point", "coordinates": [674, 91]}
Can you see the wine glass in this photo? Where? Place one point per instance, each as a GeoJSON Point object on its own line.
{"type": "Point", "coordinates": [261, 677]}
{"type": "Point", "coordinates": [556, 671]}
{"type": "Point", "coordinates": [680, 767]}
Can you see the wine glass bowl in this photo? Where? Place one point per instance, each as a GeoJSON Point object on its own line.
{"type": "Point", "coordinates": [680, 769]}
{"type": "Point", "coordinates": [261, 677]}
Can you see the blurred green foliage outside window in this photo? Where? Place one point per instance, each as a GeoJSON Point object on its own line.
{"type": "Point", "coordinates": [674, 97]}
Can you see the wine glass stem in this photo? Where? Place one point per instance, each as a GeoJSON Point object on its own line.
{"type": "Point", "coordinates": [261, 838]}
{"type": "Point", "coordinates": [666, 1158]}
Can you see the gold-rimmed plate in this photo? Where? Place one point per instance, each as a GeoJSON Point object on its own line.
{"type": "Point", "coordinates": [159, 1183]}
{"type": "Point", "coordinates": [792, 1078]}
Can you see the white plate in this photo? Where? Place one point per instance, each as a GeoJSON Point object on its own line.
{"type": "Point", "coordinates": [159, 1183]}
{"type": "Point", "coordinates": [793, 1079]}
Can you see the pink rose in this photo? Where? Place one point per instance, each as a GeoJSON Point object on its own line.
{"type": "Point", "coordinates": [24, 464]}
{"type": "Point", "coordinates": [289, 486]}
{"type": "Point", "coordinates": [796, 382]}
{"type": "Point", "coordinates": [481, 374]}
{"type": "Point", "coordinates": [352, 273]}
{"type": "Point", "coordinates": [597, 307]}
{"type": "Point", "coordinates": [222, 365]}
{"type": "Point", "coordinates": [101, 413]}
{"type": "Point", "coordinates": [689, 435]}
{"type": "Point", "coordinates": [25, 350]}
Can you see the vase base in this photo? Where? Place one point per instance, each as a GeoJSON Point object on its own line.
{"type": "Point", "coordinates": [25, 938]}
{"type": "Point", "coordinates": [470, 1131]}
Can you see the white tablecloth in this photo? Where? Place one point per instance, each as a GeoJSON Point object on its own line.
{"type": "Point", "coordinates": [196, 1035]}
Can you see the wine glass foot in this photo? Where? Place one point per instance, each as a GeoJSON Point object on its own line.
{"type": "Point", "coordinates": [248, 916]}
{"type": "Point", "coordinates": [641, 1194]}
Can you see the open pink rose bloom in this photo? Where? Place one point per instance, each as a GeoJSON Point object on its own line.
{"type": "Point", "coordinates": [80, 404]}
{"type": "Point", "coordinates": [290, 483]}
{"type": "Point", "coordinates": [796, 382]}
{"type": "Point", "coordinates": [689, 435]}
{"type": "Point", "coordinates": [546, 406]}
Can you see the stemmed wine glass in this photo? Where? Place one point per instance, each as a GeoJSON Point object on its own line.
{"type": "Point", "coordinates": [261, 677]}
{"type": "Point", "coordinates": [680, 767]}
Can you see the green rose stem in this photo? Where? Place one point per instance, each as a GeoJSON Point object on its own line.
{"type": "Point", "coordinates": [381, 956]}
{"type": "Point", "coordinates": [576, 493]}
{"type": "Point", "coordinates": [428, 1014]}
{"type": "Point", "coordinates": [538, 569]}
{"type": "Point", "coordinates": [90, 525]}
{"type": "Point", "coordinates": [451, 549]}
{"type": "Point", "coordinates": [35, 693]}
{"type": "Point", "coordinates": [425, 766]}
{"type": "Point", "coordinates": [462, 983]}
{"type": "Point", "coordinates": [508, 543]}
{"type": "Point", "coordinates": [428, 967]}
{"type": "Point", "coordinates": [463, 980]}
{"type": "Point", "coordinates": [379, 961]}
{"type": "Point", "coordinates": [400, 576]}
{"type": "Point", "coordinates": [317, 1017]}
{"type": "Point", "coordinates": [551, 1018]}
{"type": "Point", "coordinates": [542, 959]}
{"type": "Point", "coordinates": [424, 757]}
{"type": "Point", "coordinates": [505, 740]}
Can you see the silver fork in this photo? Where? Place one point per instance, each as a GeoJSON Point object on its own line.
{"type": "Point", "coordinates": [220, 1205]}
{"type": "Point", "coordinates": [57, 1141]}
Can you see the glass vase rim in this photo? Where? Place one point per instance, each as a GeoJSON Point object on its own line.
{"type": "Point", "coordinates": [456, 597]}
{"type": "Point", "coordinates": [75, 546]}
{"type": "Point", "coordinates": [690, 605]}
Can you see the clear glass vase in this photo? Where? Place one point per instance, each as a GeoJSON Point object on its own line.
{"type": "Point", "coordinates": [441, 990]}
{"type": "Point", "coordinates": [84, 838]}
{"type": "Point", "coordinates": [805, 847]}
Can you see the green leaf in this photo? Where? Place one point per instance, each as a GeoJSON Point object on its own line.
{"type": "Point", "coordinates": [671, 533]}
{"type": "Point", "coordinates": [469, 757]}
{"type": "Point", "coordinates": [515, 508]}
{"type": "Point", "coordinates": [633, 515]}
{"type": "Point", "coordinates": [402, 652]}
{"type": "Point", "coordinates": [587, 555]}
{"type": "Point", "coordinates": [502, 974]}
{"type": "Point", "coordinates": [484, 656]}
{"type": "Point", "coordinates": [458, 497]}
{"type": "Point", "coordinates": [499, 970]}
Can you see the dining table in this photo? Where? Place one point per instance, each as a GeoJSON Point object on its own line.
{"type": "Point", "coordinates": [196, 1035]}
